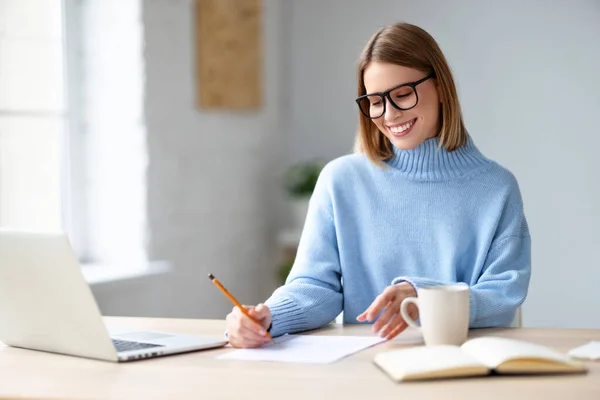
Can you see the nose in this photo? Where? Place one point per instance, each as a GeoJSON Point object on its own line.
{"type": "Point", "coordinates": [391, 112]}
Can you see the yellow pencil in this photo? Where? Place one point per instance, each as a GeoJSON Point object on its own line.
{"type": "Point", "coordinates": [233, 300]}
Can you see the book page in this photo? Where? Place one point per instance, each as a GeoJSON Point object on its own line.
{"type": "Point", "coordinates": [428, 362]}
{"type": "Point", "coordinates": [305, 349]}
{"type": "Point", "coordinates": [495, 351]}
{"type": "Point", "coordinates": [589, 351]}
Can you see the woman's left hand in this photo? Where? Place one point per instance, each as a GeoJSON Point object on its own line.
{"type": "Point", "coordinates": [390, 323]}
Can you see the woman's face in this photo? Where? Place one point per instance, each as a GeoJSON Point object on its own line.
{"type": "Point", "coordinates": [405, 129]}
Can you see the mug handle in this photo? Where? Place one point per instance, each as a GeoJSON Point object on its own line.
{"type": "Point", "coordinates": [404, 312]}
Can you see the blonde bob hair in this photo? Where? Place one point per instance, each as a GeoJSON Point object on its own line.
{"type": "Point", "coordinates": [410, 46]}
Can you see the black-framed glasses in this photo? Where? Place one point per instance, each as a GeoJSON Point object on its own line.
{"type": "Point", "coordinates": [403, 97]}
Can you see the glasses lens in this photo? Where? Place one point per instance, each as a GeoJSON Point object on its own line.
{"type": "Point", "coordinates": [404, 97]}
{"type": "Point", "coordinates": [372, 106]}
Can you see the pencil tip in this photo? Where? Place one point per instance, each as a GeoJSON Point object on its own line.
{"type": "Point", "coordinates": [211, 277]}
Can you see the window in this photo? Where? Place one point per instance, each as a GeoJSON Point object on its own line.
{"type": "Point", "coordinates": [32, 114]}
{"type": "Point", "coordinates": [72, 132]}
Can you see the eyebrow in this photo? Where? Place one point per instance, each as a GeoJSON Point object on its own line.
{"type": "Point", "coordinates": [430, 75]}
{"type": "Point", "coordinates": [390, 88]}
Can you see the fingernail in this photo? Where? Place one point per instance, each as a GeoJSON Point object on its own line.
{"type": "Point", "coordinates": [263, 332]}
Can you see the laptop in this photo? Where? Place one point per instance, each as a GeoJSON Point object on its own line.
{"type": "Point", "coordinates": [46, 304]}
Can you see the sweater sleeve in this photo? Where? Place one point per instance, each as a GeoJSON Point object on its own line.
{"type": "Point", "coordinates": [503, 282]}
{"type": "Point", "coordinates": [501, 287]}
{"type": "Point", "coordinates": [312, 294]}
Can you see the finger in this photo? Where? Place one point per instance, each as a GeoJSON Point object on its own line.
{"type": "Point", "coordinates": [371, 312]}
{"type": "Point", "coordinates": [236, 328]}
{"type": "Point", "coordinates": [362, 317]}
{"type": "Point", "coordinates": [241, 343]}
{"type": "Point", "coordinates": [397, 330]}
{"type": "Point", "coordinates": [230, 328]}
{"type": "Point", "coordinates": [248, 338]}
{"type": "Point", "coordinates": [386, 316]}
{"type": "Point", "coordinates": [259, 312]}
{"type": "Point", "coordinates": [243, 339]}
{"type": "Point", "coordinates": [229, 322]}
{"type": "Point", "coordinates": [240, 336]}
{"type": "Point", "coordinates": [393, 322]}
{"type": "Point", "coordinates": [377, 305]}
{"type": "Point", "coordinates": [413, 312]}
{"type": "Point", "coordinates": [250, 324]}
{"type": "Point", "coordinates": [260, 309]}
{"type": "Point", "coordinates": [251, 311]}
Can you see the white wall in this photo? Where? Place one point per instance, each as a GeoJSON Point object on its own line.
{"type": "Point", "coordinates": [213, 177]}
{"type": "Point", "coordinates": [198, 189]}
{"type": "Point", "coordinates": [528, 79]}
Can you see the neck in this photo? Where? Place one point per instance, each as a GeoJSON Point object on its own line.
{"type": "Point", "coordinates": [430, 162]}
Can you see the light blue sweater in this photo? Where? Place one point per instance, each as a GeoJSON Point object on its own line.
{"type": "Point", "coordinates": [430, 217]}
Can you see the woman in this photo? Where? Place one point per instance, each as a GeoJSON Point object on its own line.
{"type": "Point", "coordinates": [416, 205]}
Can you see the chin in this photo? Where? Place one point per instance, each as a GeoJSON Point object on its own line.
{"type": "Point", "coordinates": [407, 143]}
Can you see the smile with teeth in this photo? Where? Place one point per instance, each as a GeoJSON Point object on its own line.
{"type": "Point", "coordinates": [403, 127]}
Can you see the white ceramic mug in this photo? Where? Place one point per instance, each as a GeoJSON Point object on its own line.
{"type": "Point", "coordinates": [443, 313]}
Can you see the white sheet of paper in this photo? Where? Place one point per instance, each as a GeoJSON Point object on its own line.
{"type": "Point", "coordinates": [589, 351]}
{"type": "Point", "coordinates": [305, 349]}
{"type": "Point", "coordinates": [409, 336]}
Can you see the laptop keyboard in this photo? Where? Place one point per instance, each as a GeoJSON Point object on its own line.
{"type": "Point", "coordinates": [124, 345]}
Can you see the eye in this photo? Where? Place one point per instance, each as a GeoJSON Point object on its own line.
{"type": "Point", "coordinates": [402, 93]}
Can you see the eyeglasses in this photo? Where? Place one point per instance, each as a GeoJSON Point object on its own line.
{"type": "Point", "coordinates": [403, 97]}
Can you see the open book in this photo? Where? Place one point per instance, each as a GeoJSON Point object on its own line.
{"type": "Point", "coordinates": [480, 356]}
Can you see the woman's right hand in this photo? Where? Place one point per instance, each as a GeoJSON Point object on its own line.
{"type": "Point", "coordinates": [242, 332]}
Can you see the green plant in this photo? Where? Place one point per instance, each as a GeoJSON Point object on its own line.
{"type": "Point", "coordinates": [300, 179]}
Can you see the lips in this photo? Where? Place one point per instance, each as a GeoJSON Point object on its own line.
{"type": "Point", "coordinates": [402, 129]}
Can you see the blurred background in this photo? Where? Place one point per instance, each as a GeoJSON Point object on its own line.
{"type": "Point", "coordinates": [104, 134]}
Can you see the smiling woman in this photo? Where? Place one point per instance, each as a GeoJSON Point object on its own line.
{"type": "Point", "coordinates": [417, 205]}
{"type": "Point", "coordinates": [402, 97]}
{"type": "Point", "coordinates": [423, 99]}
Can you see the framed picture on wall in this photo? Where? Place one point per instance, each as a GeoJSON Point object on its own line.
{"type": "Point", "coordinates": [228, 54]}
